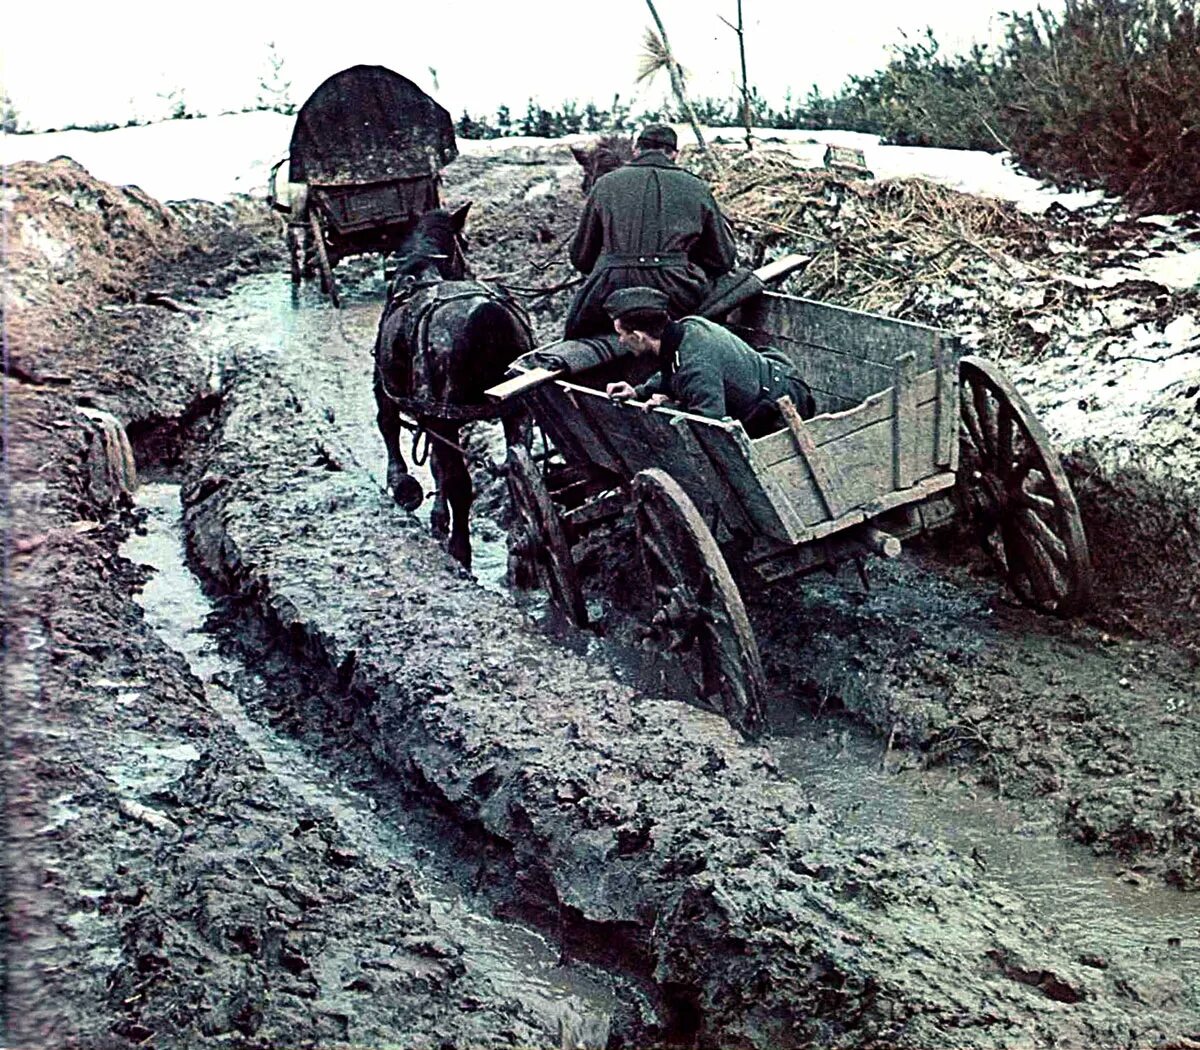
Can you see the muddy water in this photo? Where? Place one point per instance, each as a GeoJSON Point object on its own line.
{"type": "Point", "coordinates": [267, 315]}
{"type": "Point", "coordinates": [516, 961]}
{"type": "Point", "coordinates": [1121, 915]}
{"type": "Point", "coordinates": [1089, 899]}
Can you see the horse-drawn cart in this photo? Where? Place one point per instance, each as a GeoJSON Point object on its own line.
{"type": "Point", "coordinates": [910, 434]}
{"type": "Point", "coordinates": [364, 163]}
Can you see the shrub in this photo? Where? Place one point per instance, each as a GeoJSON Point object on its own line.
{"type": "Point", "coordinates": [1108, 94]}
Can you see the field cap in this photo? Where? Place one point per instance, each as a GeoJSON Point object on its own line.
{"type": "Point", "coordinates": [658, 136]}
{"type": "Point", "coordinates": [627, 300]}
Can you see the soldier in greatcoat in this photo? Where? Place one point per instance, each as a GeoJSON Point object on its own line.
{"type": "Point", "coordinates": [703, 367]}
{"type": "Point", "coordinates": [648, 224]}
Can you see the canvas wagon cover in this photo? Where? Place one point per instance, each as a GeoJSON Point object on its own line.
{"type": "Point", "coordinates": [368, 124]}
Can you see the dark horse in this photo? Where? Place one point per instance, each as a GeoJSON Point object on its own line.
{"type": "Point", "coordinates": [442, 341]}
{"type": "Point", "coordinates": [602, 156]}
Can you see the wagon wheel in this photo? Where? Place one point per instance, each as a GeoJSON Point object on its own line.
{"type": "Point", "coordinates": [537, 536]}
{"type": "Point", "coordinates": [698, 613]}
{"type": "Point", "coordinates": [1015, 489]}
{"type": "Point", "coordinates": [295, 244]}
{"type": "Point", "coordinates": [327, 282]}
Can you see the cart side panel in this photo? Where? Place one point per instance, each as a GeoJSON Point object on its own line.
{"type": "Point", "coordinates": [555, 406]}
{"type": "Point", "coordinates": [883, 448]}
{"type": "Point", "coordinates": [838, 380]}
{"type": "Point", "coordinates": [575, 447]}
{"type": "Point", "coordinates": [711, 459]}
{"type": "Point", "coordinates": [363, 206]}
{"type": "Point", "coordinates": [627, 439]}
{"type": "Point", "coordinates": [844, 355]}
{"type": "Point", "coordinates": [743, 487]}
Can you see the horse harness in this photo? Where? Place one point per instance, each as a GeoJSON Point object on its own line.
{"type": "Point", "coordinates": [416, 331]}
{"type": "Point", "coordinates": [415, 334]}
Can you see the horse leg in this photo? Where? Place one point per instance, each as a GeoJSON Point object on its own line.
{"type": "Point", "coordinates": [454, 488]}
{"type": "Point", "coordinates": [439, 514]}
{"type": "Point", "coordinates": [405, 489]}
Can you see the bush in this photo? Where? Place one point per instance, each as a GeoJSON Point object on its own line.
{"type": "Point", "coordinates": [1108, 95]}
{"type": "Point", "coordinates": [1105, 94]}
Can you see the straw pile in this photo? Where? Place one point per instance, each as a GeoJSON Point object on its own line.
{"type": "Point", "coordinates": [870, 242]}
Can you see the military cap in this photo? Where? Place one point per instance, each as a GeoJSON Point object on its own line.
{"type": "Point", "coordinates": [658, 136]}
{"type": "Point", "coordinates": [626, 300]}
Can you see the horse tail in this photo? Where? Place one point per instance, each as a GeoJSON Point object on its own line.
{"type": "Point", "coordinates": [495, 334]}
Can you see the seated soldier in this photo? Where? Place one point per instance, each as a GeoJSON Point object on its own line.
{"type": "Point", "coordinates": [649, 223]}
{"type": "Point", "coordinates": [703, 368]}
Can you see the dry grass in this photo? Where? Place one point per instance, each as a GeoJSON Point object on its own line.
{"type": "Point", "coordinates": [869, 241]}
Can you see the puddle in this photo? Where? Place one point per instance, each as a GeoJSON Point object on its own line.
{"type": "Point", "coordinates": [1067, 887]}
{"type": "Point", "coordinates": [266, 315]}
{"type": "Point", "coordinates": [516, 961]}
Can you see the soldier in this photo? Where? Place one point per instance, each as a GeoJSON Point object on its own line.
{"type": "Point", "coordinates": [648, 224]}
{"type": "Point", "coordinates": [703, 368]}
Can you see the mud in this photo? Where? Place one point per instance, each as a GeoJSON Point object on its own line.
{"type": "Point", "coordinates": [169, 880]}
{"type": "Point", "coordinates": [641, 829]}
{"type": "Point", "coordinates": [304, 838]}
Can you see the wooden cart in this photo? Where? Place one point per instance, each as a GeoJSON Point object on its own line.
{"type": "Point", "coordinates": [364, 163]}
{"type": "Point", "coordinates": [910, 435]}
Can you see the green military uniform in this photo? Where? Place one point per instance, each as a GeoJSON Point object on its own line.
{"type": "Point", "coordinates": [708, 370]}
{"type": "Point", "coordinates": [648, 224]}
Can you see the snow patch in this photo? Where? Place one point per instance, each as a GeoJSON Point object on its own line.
{"type": "Point", "coordinates": [55, 252]}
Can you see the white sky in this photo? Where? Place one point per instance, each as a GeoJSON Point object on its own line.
{"type": "Point", "coordinates": [63, 62]}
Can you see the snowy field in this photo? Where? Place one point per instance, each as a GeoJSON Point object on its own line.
{"type": "Point", "coordinates": [212, 158]}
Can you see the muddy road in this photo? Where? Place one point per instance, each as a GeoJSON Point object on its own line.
{"type": "Point", "coordinates": [331, 790]}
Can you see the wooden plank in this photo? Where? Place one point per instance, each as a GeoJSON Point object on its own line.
{"type": "Point", "coordinates": [824, 471]}
{"type": "Point", "coordinates": [839, 374]}
{"type": "Point", "coordinates": [551, 411]}
{"type": "Point", "coordinates": [520, 383]}
{"type": "Point", "coordinates": [604, 419]}
{"type": "Point", "coordinates": [732, 459]}
{"type": "Point", "coordinates": [560, 435]}
{"type": "Point", "coordinates": [946, 355]}
{"type": "Point", "coordinates": [904, 422]}
{"type": "Point", "coordinates": [865, 460]}
{"type": "Point", "coordinates": [781, 267]}
{"type": "Point", "coordinates": [563, 401]}
{"type": "Point", "coordinates": [826, 541]}
{"type": "Point", "coordinates": [870, 336]}
{"type": "Point", "coordinates": [793, 530]}
{"type": "Point", "coordinates": [833, 426]}
{"type": "Point", "coordinates": [922, 490]}
{"type": "Point", "coordinates": [716, 487]}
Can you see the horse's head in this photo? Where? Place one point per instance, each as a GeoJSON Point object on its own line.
{"type": "Point", "coordinates": [432, 249]}
{"type": "Point", "coordinates": [605, 155]}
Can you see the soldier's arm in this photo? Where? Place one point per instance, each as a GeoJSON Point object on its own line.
{"type": "Point", "coordinates": [699, 388]}
{"type": "Point", "coordinates": [653, 385]}
{"type": "Point", "coordinates": [714, 250]}
{"type": "Point", "coordinates": [588, 240]}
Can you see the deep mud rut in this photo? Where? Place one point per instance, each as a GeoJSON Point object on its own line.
{"type": "Point", "coordinates": [369, 801]}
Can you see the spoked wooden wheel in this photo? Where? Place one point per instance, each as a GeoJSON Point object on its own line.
{"type": "Point", "coordinates": [295, 244]}
{"type": "Point", "coordinates": [698, 614]}
{"type": "Point", "coordinates": [538, 538]}
{"type": "Point", "coordinates": [328, 285]}
{"type": "Point", "coordinates": [1015, 490]}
